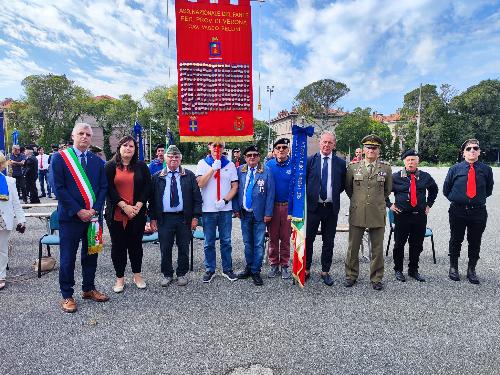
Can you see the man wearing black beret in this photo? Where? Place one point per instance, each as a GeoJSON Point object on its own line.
{"type": "Point", "coordinates": [467, 186]}
{"type": "Point", "coordinates": [254, 205]}
{"type": "Point", "coordinates": [414, 194]}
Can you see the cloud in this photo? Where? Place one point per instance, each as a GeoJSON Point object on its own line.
{"type": "Point", "coordinates": [377, 48]}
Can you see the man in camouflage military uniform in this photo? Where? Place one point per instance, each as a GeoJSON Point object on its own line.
{"type": "Point", "coordinates": [368, 183]}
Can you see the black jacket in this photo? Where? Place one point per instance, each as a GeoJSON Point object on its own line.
{"type": "Point", "coordinates": [142, 188]}
{"type": "Point", "coordinates": [455, 184]}
{"type": "Point", "coordinates": [31, 168]}
{"type": "Point", "coordinates": [313, 173]}
{"type": "Point", "coordinates": [191, 195]}
{"type": "Point", "coordinates": [401, 188]}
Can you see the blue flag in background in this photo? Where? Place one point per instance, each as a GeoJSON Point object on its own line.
{"type": "Point", "coordinates": [138, 138]}
{"type": "Point", "coordinates": [2, 133]}
{"type": "Point", "coordinates": [15, 137]}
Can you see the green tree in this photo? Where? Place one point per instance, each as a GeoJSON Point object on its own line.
{"type": "Point", "coordinates": [438, 128]}
{"type": "Point", "coordinates": [354, 126]}
{"type": "Point", "coordinates": [54, 103]}
{"type": "Point", "coordinates": [160, 114]}
{"type": "Point", "coordinates": [316, 100]}
{"type": "Point", "coordinates": [477, 114]}
{"type": "Point", "coordinates": [114, 116]}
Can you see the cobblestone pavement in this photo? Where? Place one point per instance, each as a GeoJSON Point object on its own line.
{"type": "Point", "coordinates": [437, 327]}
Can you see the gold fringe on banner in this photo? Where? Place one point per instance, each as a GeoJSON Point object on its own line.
{"type": "Point", "coordinates": [234, 138]}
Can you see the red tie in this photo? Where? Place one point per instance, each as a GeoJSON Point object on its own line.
{"type": "Point", "coordinates": [413, 190]}
{"type": "Point", "coordinates": [41, 165]}
{"type": "Point", "coordinates": [471, 182]}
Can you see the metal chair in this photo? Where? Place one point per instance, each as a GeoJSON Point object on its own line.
{"type": "Point", "coordinates": [48, 239]}
{"type": "Point", "coordinates": [428, 233]}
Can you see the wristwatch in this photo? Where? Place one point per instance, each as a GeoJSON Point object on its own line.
{"type": "Point", "coordinates": [225, 200]}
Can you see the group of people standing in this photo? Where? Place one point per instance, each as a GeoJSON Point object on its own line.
{"type": "Point", "coordinates": [29, 164]}
{"type": "Point", "coordinates": [176, 200]}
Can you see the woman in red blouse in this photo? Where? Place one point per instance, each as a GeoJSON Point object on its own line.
{"type": "Point", "coordinates": [129, 185]}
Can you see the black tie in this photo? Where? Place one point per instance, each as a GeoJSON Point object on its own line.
{"type": "Point", "coordinates": [324, 179]}
{"type": "Point", "coordinates": [174, 194]}
{"type": "Point", "coordinates": [83, 161]}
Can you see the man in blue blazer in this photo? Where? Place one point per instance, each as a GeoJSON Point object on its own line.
{"type": "Point", "coordinates": [325, 173]}
{"type": "Point", "coordinates": [254, 205]}
{"type": "Point", "coordinates": [75, 218]}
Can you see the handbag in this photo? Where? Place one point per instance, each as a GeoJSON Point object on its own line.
{"type": "Point", "coordinates": [47, 264]}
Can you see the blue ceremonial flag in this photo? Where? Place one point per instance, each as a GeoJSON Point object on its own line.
{"type": "Point", "coordinates": [138, 138]}
{"type": "Point", "coordinates": [297, 200]}
{"type": "Point", "coordinates": [2, 133]}
{"type": "Point", "coordinates": [15, 137]}
{"type": "Point", "coordinates": [169, 138]}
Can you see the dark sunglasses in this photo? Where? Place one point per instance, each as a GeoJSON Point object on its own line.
{"type": "Point", "coordinates": [371, 147]}
{"type": "Point", "coordinates": [252, 155]}
{"type": "Point", "coordinates": [475, 148]}
{"type": "Point", "coordinates": [281, 147]}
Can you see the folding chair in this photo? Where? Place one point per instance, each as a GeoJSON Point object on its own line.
{"type": "Point", "coordinates": [428, 233]}
{"type": "Point", "coordinates": [48, 239]}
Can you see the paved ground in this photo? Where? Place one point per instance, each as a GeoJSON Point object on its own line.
{"type": "Point", "coordinates": [439, 327]}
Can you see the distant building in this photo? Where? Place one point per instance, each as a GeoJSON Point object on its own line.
{"type": "Point", "coordinates": [392, 121]}
{"type": "Point", "coordinates": [282, 125]}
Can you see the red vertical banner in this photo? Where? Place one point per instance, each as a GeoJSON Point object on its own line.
{"type": "Point", "coordinates": [214, 65]}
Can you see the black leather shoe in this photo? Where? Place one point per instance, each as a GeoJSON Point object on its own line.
{"type": "Point", "coordinates": [349, 282]}
{"type": "Point", "coordinates": [327, 279]}
{"type": "Point", "coordinates": [417, 276]}
{"type": "Point", "coordinates": [400, 276]}
{"type": "Point", "coordinates": [471, 276]}
{"type": "Point", "coordinates": [244, 274]}
{"type": "Point", "coordinates": [257, 280]}
{"type": "Point", "coordinates": [377, 286]}
{"type": "Point", "coordinates": [453, 274]}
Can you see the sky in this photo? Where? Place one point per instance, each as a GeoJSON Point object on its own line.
{"type": "Point", "coordinates": [381, 49]}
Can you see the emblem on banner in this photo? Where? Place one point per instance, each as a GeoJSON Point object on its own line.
{"type": "Point", "coordinates": [239, 124]}
{"type": "Point", "coordinates": [215, 50]}
{"type": "Point", "coordinates": [193, 124]}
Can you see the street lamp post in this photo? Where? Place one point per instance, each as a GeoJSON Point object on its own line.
{"type": "Point", "coordinates": [270, 90]}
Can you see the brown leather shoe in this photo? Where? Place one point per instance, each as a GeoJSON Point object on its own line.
{"type": "Point", "coordinates": [68, 305]}
{"type": "Point", "coordinates": [96, 296]}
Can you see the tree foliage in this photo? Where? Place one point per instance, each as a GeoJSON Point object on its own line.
{"type": "Point", "coordinates": [448, 119]}
{"type": "Point", "coordinates": [54, 103]}
{"type": "Point", "coordinates": [355, 126]}
{"type": "Point", "coordinates": [115, 117]}
{"type": "Point", "coordinates": [316, 100]}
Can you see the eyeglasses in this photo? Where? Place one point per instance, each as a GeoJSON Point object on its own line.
{"type": "Point", "coordinates": [252, 155]}
{"type": "Point", "coordinates": [371, 147]}
{"type": "Point", "coordinates": [475, 148]}
{"type": "Point", "coordinates": [281, 147]}
{"type": "Point", "coordinates": [217, 145]}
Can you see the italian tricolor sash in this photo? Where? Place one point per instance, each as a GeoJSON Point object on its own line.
{"type": "Point", "coordinates": [94, 233]}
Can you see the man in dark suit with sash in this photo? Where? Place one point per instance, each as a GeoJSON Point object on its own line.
{"type": "Point", "coordinates": [325, 175]}
{"type": "Point", "coordinates": [80, 185]}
